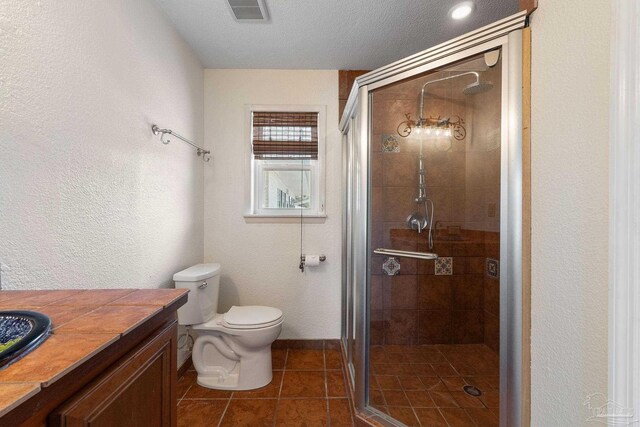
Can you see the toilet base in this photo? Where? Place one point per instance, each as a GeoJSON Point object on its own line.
{"type": "Point", "coordinates": [223, 363]}
{"type": "Point", "coordinates": [229, 381]}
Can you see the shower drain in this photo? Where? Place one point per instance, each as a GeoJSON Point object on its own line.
{"type": "Point", "coordinates": [472, 390]}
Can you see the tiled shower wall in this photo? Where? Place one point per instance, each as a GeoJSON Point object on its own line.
{"type": "Point", "coordinates": [463, 180]}
{"type": "Point", "coordinates": [345, 82]}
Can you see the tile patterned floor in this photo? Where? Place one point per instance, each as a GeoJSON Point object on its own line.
{"type": "Point", "coordinates": [423, 385]}
{"type": "Point", "coordinates": [308, 389]}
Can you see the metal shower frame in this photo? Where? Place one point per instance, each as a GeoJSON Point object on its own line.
{"type": "Point", "coordinates": [355, 125]}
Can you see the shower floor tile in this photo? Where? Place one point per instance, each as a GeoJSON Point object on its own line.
{"type": "Point", "coordinates": [422, 385]}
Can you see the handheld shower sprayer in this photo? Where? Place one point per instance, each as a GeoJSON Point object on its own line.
{"type": "Point", "coordinates": [418, 221]}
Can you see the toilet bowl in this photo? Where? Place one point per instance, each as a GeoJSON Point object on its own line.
{"type": "Point", "coordinates": [232, 350]}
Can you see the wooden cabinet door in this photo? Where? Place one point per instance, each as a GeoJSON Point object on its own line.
{"type": "Point", "coordinates": [138, 391]}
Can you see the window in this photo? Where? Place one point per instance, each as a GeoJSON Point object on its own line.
{"type": "Point", "coordinates": [287, 155]}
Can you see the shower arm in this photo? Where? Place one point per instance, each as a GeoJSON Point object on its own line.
{"type": "Point", "coordinates": [421, 118]}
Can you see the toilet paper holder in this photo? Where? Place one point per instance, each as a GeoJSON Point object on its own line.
{"type": "Point", "coordinates": [322, 258]}
{"type": "Point", "coordinates": [302, 260]}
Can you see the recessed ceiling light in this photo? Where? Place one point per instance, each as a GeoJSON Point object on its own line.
{"type": "Point", "coordinates": [461, 10]}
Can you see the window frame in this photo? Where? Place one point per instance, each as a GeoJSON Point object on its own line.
{"type": "Point", "coordinates": [254, 171]}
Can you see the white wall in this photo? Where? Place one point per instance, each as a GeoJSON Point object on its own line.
{"type": "Point", "coordinates": [89, 198]}
{"type": "Point", "coordinates": [260, 260]}
{"type": "Point", "coordinates": [570, 101]}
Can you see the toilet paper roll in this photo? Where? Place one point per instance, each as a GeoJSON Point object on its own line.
{"type": "Point", "coordinates": [311, 260]}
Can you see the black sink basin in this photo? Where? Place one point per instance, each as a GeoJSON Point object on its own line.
{"type": "Point", "coordinates": [21, 332]}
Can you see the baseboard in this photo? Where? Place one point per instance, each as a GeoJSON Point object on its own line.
{"type": "Point", "coordinates": [307, 344]}
{"type": "Point", "coordinates": [185, 366]}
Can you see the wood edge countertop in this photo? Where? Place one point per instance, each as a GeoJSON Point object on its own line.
{"type": "Point", "coordinates": [84, 322]}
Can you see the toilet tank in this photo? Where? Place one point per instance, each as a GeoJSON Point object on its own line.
{"type": "Point", "coordinates": [203, 282]}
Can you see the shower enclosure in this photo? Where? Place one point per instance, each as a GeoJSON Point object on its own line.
{"type": "Point", "coordinates": [432, 234]}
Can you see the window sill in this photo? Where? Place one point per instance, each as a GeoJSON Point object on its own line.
{"type": "Point", "coordinates": [269, 218]}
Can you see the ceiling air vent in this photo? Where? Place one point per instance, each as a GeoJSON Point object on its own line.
{"type": "Point", "coordinates": [249, 10]}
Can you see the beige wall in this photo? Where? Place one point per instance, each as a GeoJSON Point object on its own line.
{"type": "Point", "coordinates": [89, 198]}
{"type": "Point", "coordinates": [570, 104]}
{"type": "Point", "coordinates": [260, 260]}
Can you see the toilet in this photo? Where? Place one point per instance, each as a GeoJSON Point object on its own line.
{"type": "Point", "coordinates": [232, 350]}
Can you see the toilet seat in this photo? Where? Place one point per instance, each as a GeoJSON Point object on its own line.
{"type": "Point", "coordinates": [239, 320]}
{"type": "Point", "coordinates": [251, 317]}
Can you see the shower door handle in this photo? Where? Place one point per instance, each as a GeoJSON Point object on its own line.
{"type": "Point", "coordinates": [405, 254]}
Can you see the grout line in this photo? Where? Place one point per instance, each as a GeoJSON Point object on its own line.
{"type": "Point", "coordinates": [184, 394]}
{"type": "Point", "coordinates": [326, 383]}
{"type": "Point", "coordinates": [242, 398]}
{"type": "Point", "coordinates": [473, 420]}
{"type": "Point", "coordinates": [415, 414]}
{"type": "Point", "coordinates": [284, 370]}
{"type": "Point", "coordinates": [442, 415]}
{"type": "Point", "coordinates": [224, 412]}
{"type": "Point", "coordinates": [275, 398]}
{"type": "Point", "coordinates": [206, 398]}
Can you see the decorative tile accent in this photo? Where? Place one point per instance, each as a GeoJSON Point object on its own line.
{"type": "Point", "coordinates": [390, 144]}
{"type": "Point", "coordinates": [391, 266]}
{"type": "Point", "coordinates": [444, 266]}
{"type": "Point", "coordinates": [493, 268]}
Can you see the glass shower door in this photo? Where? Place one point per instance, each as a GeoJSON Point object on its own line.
{"type": "Point", "coordinates": [433, 165]}
{"type": "Point", "coordinates": [434, 150]}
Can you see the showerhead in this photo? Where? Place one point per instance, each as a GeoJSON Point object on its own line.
{"type": "Point", "coordinates": [477, 87]}
{"type": "Point", "coordinates": [472, 89]}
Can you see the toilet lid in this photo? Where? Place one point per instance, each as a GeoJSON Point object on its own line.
{"type": "Point", "coordinates": [251, 316]}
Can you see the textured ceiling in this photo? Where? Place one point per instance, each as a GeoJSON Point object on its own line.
{"type": "Point", "coordinates": [323, 34]}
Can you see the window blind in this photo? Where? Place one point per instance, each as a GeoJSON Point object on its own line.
{"type": "Point", "coordinates": [284, 135]}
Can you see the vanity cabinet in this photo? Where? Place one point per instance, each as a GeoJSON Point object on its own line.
{"type": "Point", "coordinates": [138, 391]}
{"type": "Point", "coordinates": [111, 360]}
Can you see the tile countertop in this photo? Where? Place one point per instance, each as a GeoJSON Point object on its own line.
{"type": "Point", "coordinates": [84, 322]}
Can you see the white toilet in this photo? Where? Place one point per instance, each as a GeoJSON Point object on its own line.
{"type": "Point", "coordinates": [232, 350]}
